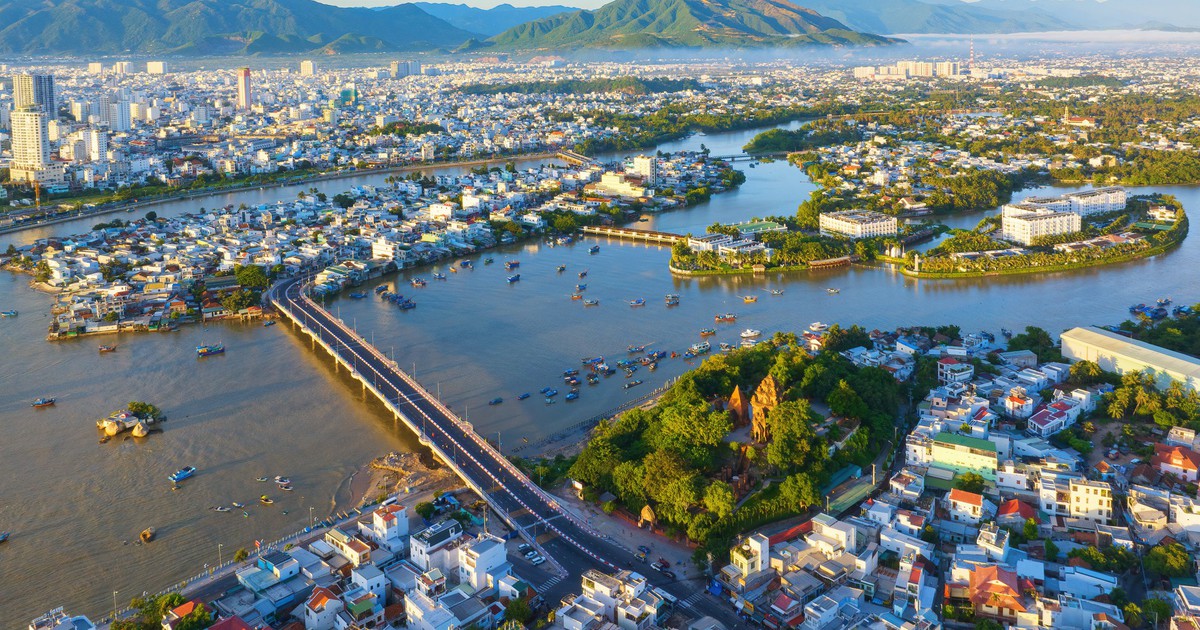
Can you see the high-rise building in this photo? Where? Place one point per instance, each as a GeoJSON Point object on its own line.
{"type": "Point", "coordinates": [156, 67]}
{"type": "Point", "coordinates": [95, 67]}
{"type": "Point", "coordinates": [120, 117]}
{"type": "Point", "coordinates": [104, 109]}
{"type": "Point", "coordinates": [245, 98]}
{"type": "Point", "coordinates": [307, 68]}
{"type": "Point", "coordinates": [399, 69]}
{"type": "Point", "coordinates": [30, 146]}
{"type": "Point", "coordinates": [122, 67]}
{"type": "Point", "coordinates": [96, 144]}
{"type": "Point", "coordinates": [646, 167]}
{"type": "Point", "coordinates": [35, 90]}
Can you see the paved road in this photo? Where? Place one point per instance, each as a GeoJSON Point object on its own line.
{"type": "Point", "coordinates": [571, 543]}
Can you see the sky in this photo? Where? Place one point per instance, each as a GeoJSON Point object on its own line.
{"type": "Point", "coordinates": [483, 4]}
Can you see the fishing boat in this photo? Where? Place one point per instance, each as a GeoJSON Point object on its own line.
{"type": "Point", "coordinates": [572, 396]}
{"type": "Point", "coordinates": [1136, 307]}
{"type": "Point", "coordinates": [4, 536]}
{"type": "Point", "coordinates": [592, 379]}
{"type": "Point", "coordinates": [672, 299]}
{"type": "Point", "coordinates": [583, 274]}
{"type": "Point", "coordinates": [638, 302]}
{"type": "Point", "coordinates": [725, 317]}
{"type": "Point", "coordinates": [439, 276]}
{"type": "Point", "coordinates": [549, 401]}
{"type": "Point", "coordinates": [512, 264]}
{"type": "Point", "coordinates": [776, 291]}
{"type": "Point", "coordinates": [561, 268]}
{"type": "Point", "coordinates": [358, 295]}
{"type": "Point", "coordinates": [488, 261]}
{"type": "Point", "coordinates": [817, 326]}
{"type": "Point", "coordinates": [707, 332]}
{"type": "Point", "coordinates": [576, 296]}
{"type": "Point", "coordinates": [551, 394]}
{"type": "Point", "coordinates": [381, 288]}
{"type": "Point", "coordinates": [466, 264]}
{"type": "Point", "coordinates": [265, 500]}
{"type": "Point", "coordinates": [581, 287]}
{"type": "Point", "coordinates": [594, 249]}
{"type": "Point", "coordinates": [591, 302]}
{"type": "Point", "coordinates": [633, 383]}
{"type": "Point", "coordinates": [636, 349]}
{"type": "Point", "coordinates": [262, 479]}
{"type": "Point", "coordinates": [523, 396]}
{"type": "Point", "coordinates": [245, 514]}
{"type": "Point", "coordinates": [8, 313]}
{"type": "Point", "coordinates": [749, 299]}
{"type": "Point", "coordinates": [222, 508]}
{"type": "Point", "coordinates": [1182, 310]}
{"type": "Point", "coordinates": [147, 534]}
{"type": "Point", "coordinates": [287, 488]}
{"type": "Point", "coordinates": [593, 360]}
{"type": "Point", "coordinates": [701, 348]}
{"type": "Point", "coordinates": [269, 322]}
{"type": "Point", "coordinates": [208, 350]}
{"type": "Point", "coordinates": [104, 349]}
{"type": "Point", "coordinates": [454, 270]}
{"type": "Point", "coordinates": [42, 402]}
{"type": "Point", "coordinates": [406, 304]}
{"type": "Point", "coordinates": [725, 346]}
{"type": "Point", "coordinates": [1164, 301]}
{"type": "Point", "coordinates": [514, 278]}
{"type": "Point", "coordinates": [238, 505]}
{"type": "Point", "coordinates": [570, 373]}
{"type": "Point", "coordinates": [544, 390]}
{"type": "Point", "coordinates": [418, 282]}
{"type": "Point", "coordinates": [282, 479]}
{"type": "Point", "coordinates": [751, 333]}
{"type": "Point", "coordinates": [495, 401]}
{"type": "Point", "coordinates": [833, 291]}
{"type": "Point", "coordinates": [183, 473]}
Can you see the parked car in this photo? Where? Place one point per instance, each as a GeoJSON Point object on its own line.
{"type": "Point", "coordinates": [643, 549]}
{"type": "Point", "coordinates": [537, 560]}
{"type": "Point", "coordinates": [529, 555]}
{"type": "Point", "coordinates": [523, 547]}
{"type": "Point", "coordinates": [641, 555]}
{"type": "Point", "coordinates": [670, 575]}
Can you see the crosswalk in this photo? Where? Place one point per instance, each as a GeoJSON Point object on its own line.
{"type": "Point", "coordinates": [548, 584]}
{"type": "Point", "coordinates": [691, 599]}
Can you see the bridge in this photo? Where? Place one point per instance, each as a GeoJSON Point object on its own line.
{"type": "Point", "coordinates": [559, 535]}
{"type": "Point", "coordinates": [577, 159]}
{"type": "Point", "coordinates": [647, 236]}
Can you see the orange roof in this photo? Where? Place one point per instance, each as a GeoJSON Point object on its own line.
{"type": "Point", "coordinates": [1176, 456]}
{"type": "Point", "coordinates": [184, 609]}
{"type": "Point", "coordinates": [994, 586]}
{"type": "Point", "coordinates": [1016, 507]}
{"type": "Point", "coordinates": [962, 496]}
{"type": "Point", "coordinates": [319, 598]}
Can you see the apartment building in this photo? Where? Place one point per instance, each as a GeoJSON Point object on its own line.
{"type": "Point", "coordinates": [858, 224]}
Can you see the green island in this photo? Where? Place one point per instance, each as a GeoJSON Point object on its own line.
{"type": "Point", "coordinates": [705, 471]}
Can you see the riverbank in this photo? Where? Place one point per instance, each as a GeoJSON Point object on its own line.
{"type": "Point", "coordinates": [217, 191]}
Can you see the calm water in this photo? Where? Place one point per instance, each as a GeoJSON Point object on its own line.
{"type": "Point", "coordinates": [270, 406]}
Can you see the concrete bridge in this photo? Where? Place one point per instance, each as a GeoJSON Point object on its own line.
{"type": "Point", "coordinates": [646, 236]}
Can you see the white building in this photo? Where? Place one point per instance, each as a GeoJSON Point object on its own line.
{"type": "Point", "coordinates": [479, 559]}
{"type": "Point", "coordinates": [1025, 223]}
{"type": "Point", "coordinates": [35, 90]}
{"type": "Point", "coordinates": [31, 148]}
{"type": "Point", "coordinates": [858, 224]}
{"type": "Point", "coordinates": [388, 527]}
{"type": "Point", "coordinates": [1114, 353]}
{"type": "Point", "coordinates": [245, 96]}
{"type": "Point", "coordinates": [321, 609]}
{"type": "Point", "coordinates": [1098, 200]}
{"type": "Point", "coordinates": [646, 167]}
{"type": "Point", "coordinates": [307, 68]}
{"type": "Point", "coordinates": [156, 67]}
{"type": "Point", "coordinates": [436, 546]}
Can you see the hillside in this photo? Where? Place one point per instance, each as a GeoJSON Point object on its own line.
{"type": "Point", "coordinates": [1109, 14]}
{"type": "Point", "coordinates": [686, 24]}
{"type": "Point", "coordinates": [919, 16]}
{"type": "Point", "coordinates": [94, 27]}
{"type": "Point", "coordinates": [489, 22]}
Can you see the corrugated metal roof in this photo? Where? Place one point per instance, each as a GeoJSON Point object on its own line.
{"type": "Point", "coordinates": [1170, 361]}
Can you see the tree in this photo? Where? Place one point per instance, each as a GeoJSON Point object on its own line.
{"type": "Point", "coordinates": [238, 300]}
{"type": "Point", "coordinates": [1051, 550]}
{"type": "Point", "coordinates": [718, 498]}
{"type": "Point", "coordinates": [518, 610]}
{"type": "Point", "coordinates": [1133, 615]}
{"type": "Point", "coordinates": [425, 509]}
{"type": "Point", "coordinates": [1168, 561]}
{"type": "Point", "coordinates": [241, 555]}
{"type": "Point", "coordinates": [198, 619]}
{"type": "Point", "coordinates": [342, 200]}
{"type": "Point", "coordinates": [1157, 609]}
{"type": "Point", "coordinates": [42, 272]}
{"type": "Point", "coordinates": [1031, 529]}
{"type": "Point", "coordinates": [970, 482]}
{"type": "Point", "coordinates": [1085, 372]}
{"type": "Point", "coordinates": [251, 276]}
{"type": "Point", "coordinates": [798, 492]}
{"type": "Point", "coordinates": [988, 624]}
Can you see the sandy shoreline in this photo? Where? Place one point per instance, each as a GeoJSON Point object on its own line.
{"type": "Point", "coordinates": [404, 473]}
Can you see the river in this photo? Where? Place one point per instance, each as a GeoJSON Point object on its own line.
{"type": "Point", "coordinates": [271, 406]}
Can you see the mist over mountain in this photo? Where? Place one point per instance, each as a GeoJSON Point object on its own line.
{"type": "Point", "coordinates": [491, 21]}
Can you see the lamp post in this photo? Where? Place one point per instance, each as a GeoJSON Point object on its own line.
{"type": "Point", "coordinates": [115, 605]}
{"type": "Point", "coordinates": [220, 555]}
{"type": "Point", "coordinates": [310, 516]}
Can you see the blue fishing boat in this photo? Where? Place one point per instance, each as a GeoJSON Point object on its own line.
{"type": "Point", "coordinates": [672, 299]}
{"type": "Point", "coordinates": [523, 396]}
{"type": "Point", "coordinates": [591, 302]}
{"type": "Point", "coordinates": [207, 350]}
{"type": "Point", "coordinates": [439, 276]}
{"type": "Point", "coordinates": [4, 536]}
{"type": "Point", "coordinates": [495, 401]}
{"type": "Point", "coordinates": [381, 288]}
{"type": "Point", "coordinates": [562, 268]}
{"type": "Point", "coordinates": [488, 261]}
{"type": "Point", "coordinates": [512, 264]}
{"type": "Point", "coordinates": [269, 322]}
{"type": "Point", "coordinates": [358, 295]}
{"type": "Point", "coordinates": [638, 302]}
{"type": "Point", "coordinates": [552, 393]}
{"type": "Point", "coordinates": [183, 473]}
{"type": "Point", "coordinates": [581, 287]}
{"type": "Point", "coordinates": [594, 249]}
{"type": "Point", "coordinates": [417, 282]}
{"type": "Point", "coordinates": [43, 402]}
{"type": "Point", "coordinates": [407, 304]}
{"type": "Point", "coordinates": [572, 396]}
{"type": "Point", "coordinates": [8, 313]}
{"type": "Point", "coordinates": [514, 278]}
{"type": "Point", "coordinates": [571, 373]}
{"type": "Point", "coordinates": [466, 264]}
{"type": "Point", "coordinates": [583, 274]}
{"type": "Point", "coordinates": [633, 383]}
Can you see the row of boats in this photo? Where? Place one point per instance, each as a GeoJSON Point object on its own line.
{"type": "Point", "coordinates": [1159, 311]}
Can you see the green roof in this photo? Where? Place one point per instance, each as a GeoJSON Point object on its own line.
{"type": "Point", "coordinates": [967, 441]}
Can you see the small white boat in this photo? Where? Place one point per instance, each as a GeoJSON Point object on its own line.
{"type": "Point", "coordinates": [817, 326]}
{"type": "Point", "coordinates": [750, 333]}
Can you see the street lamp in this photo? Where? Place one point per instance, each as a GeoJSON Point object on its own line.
{"type": "Point", "coordinates": [115, 605]}
{"type": "Point", "coordinates": [220, 556]}
{"type": "Point", "coordinates": [310, 516]}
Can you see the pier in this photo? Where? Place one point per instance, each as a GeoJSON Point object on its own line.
{"type": "Point", "coordinates": [646, 236]}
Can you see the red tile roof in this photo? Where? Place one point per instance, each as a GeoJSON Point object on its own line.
{"type": "Point", "coordinates": [962, 496]}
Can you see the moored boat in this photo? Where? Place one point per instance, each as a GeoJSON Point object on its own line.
{"type": "Point", "coordinates": [562, 268]}
{"type": "Point", "coordinates": [183, 473]}
{"type": "Point", "coordinates": [265, 500]}
{"type": "Point", "coordinates": [43, 402]}
{"type": "Point", "coordinates": [8, 313]}
{"type": "Point", "coordinates": [147, 534]}
{"type": "Point", "coordinates": [572, 395]}
{"type": "Point", "coordinates": [282, 479]}
{"type": "Point", "coordinates": [439, 276]}
{"type": "Point", "coordinates": [524, 396]}
{"type": "Point", "coordinates": [269, 322]}
{"type": "Point", "coordinates": [358, 295]}
{"type": "Point", "coordinates": [776, 291]}
{"type": "Point", "coordinates": [751, 333]}
{"type": "Point", "coordinates": [638, 302]}
{"type": "Point", "coordinates": [749, 299]}
{"type": "Point", "coordinates": [833, 291]}
{"type": "Point", "coordinates": [817, 326]}
{"type": "Point", "coordinates": [725, 317]}
{"type": "Point", "coordinates": [514, 278]}
{"type": "Point", "coordinates": [104, 349]}
{"type": "Point", "coordinates": [583, 274]}
{"type": "Point", "coordinates": [381, 288]}
{"type": "Point", "coordinates": [594, 249]}
{"type": "Point", "coordinates": [418, 282]}
{"type": "Point", "coordinates": [209, 349]}
{"type": "Point", "coordinates": [633, 383]}
{"type": "Point", "coordinates": [591, 302]}
{"type": "Point", "coordinates": [512, 264]}
{"type": "Point", "coordinates": [495, 401]}
{"type": "Point", "coordinates": [576, 296]}
{"type": "Point", "coordinates": [672, 299]}
{"type": "Point", "coordinates": [488, 261]}
{"type": "Point", "coordinates": [707, 332]}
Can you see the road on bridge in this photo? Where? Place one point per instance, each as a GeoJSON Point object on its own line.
{"type": "Point", "coordinates": [571, 543]}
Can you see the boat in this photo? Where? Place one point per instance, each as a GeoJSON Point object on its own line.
{"type": "Point", "coordinates": [583, 274]}
{"type": "Point", "coordinates": [749, 299]}
{"type": "Point", "coordinates": [725, 317]}
{"type": "Point", "coordinates": [8, 313]}
{"type": "Point", "coordinates": [269, 322]}
{"type": "Point", "coordinates": [1164, 301]}
{"type": "Point", "coordinates": [208, 350]}
{"type": "Point", "coordinates": [572, 396]}
{"type": "Point", "coordinates": [282, 479]}
{"type": "Point", "coordinates": [238, 505]}
{"type": "Point", "coordinates": [701, 348]}
{"type": "Point", "coordinates": [1136, 307]}
{"type": "Point", "coordinates": [406, 304]}
{"type": "Point", "coordinates": [147, 534]}
{"type": "Point", "coordinates": [182, 473]}
{"type": "Point", "coordinates": [514, 278]}
{"type": "Point", "coordinates": [222, 508]}
{"type": "Point", "coordinates": [751, 333]}
{"type": "Point", "coordinates": [592, 379]}
{"type": "Point", "coordinates": [488, 261]}
{"type": "Point", "coordinates": [104, 349]}
{"type": "Point", "coordinates": [594, 249]}
{"type": "Point", "coordinates": [439, 276]}
{"type": "Point", "coordinates": [571, 372]}
{"type": "Point", "coordinates": [562, 268]}
{"type": "Point", "coordinates": [466, 264]}
{"type": "Point", "coordinates": [245, 514]}
{"type": "Point", "coordinates": [262, 479]}
{"type": "Point", "coordinates": [833, 291]}
{"type": "Point", "coordinates": [591, 302]}
{"type": "Point", "coordinates": [544, 390]}
{"type": "Point", "coordinates": [593, 360]}
{"type": "Point", "coordinates": [417, 282]}
{"type": "Point", "coordinates": [381, 288]}
{"type": "Point", "coordinates": [636, 349]}
{"type": "Point", "coordinates": [776, 291]}
{"type": "Point", "coordinates": [358, 295]}
{"type": "Point", "coordinates": [1157, 313]}
{"type": "Point", "coordinates": [817, 326]}
{"type": "Point", "coordinates": [551, 394]}
{"type": "Point", "coordinates": [576, 296]}
{"type": "Point", "coordinates": [638, 302]}
{"type": "Point", "coordinates": [633, 383]}
{"type": "Point", "coordinates": [454, 270]}
{"type": "Point", "coordinates": [523, 396]}
{"type": "Point", "coordinates": [512, 264]}
{"type": "Point", "coordinates": [580, 287]}
{"type": "Point", "coordinates": [725, 346]}
{"type": "Point", "coordinates": [495, 401]}
{"type": "Point", "coordinates": [286, 488]}
{"type": "Point", "coordinates": [549, 401]}
{"type": "Point", "coordinates": [265, 500]}
{"type": "Point", "coordinates": [4, 536]}
{"type": "Point", "coordinates": [1182, 310]}
{"type": "Point", "coordinates": [707, 332]}
{"type": "Point", "coordinates": [43, 402]}
{"type": "Point", "coordinates": [672, 299]}
{"type": "Point", "coordinates": [140, 430]}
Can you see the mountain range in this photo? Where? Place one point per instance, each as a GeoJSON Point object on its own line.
{"type": "Point", "coordinates": [1097, 14]}
{"type": "Point", "coordinates": [629, 24]}
{"type": "Point", "coordinates": [489, 22]}
{"type": "Point", "coordinates": [917, 16]}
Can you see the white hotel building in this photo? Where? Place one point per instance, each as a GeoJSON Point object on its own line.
{"type": "Point", "coordinates": [858, 224]}
{"type": "Point", "coordinates": [1023, 223]}
{"type": "Point", "coordinates": [1098, 200]}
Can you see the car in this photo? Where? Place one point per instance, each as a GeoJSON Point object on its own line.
{"type": "Point", "coordinates": [523, 547]}
{"type": "Point", "coordinates": [530, 555]}
{"type": "Point", "coordinates": [660, 565]}
{"type": "Point", "coordinates": [641, 555]}
{"type": "Point", "coordinates": [537, 560]}
{"type": "Point", "coordinates": [667, 574]}
{"type": "Point", "coordinates": [643, 549]}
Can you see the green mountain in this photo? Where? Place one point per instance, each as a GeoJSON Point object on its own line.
{"type": "Point", "coordinates": [215, 27]}
{"type": "Point", "coordinates": [491, 21]}
{"type": "Point", "coordinates": [917, 16]}
{"type": "Point", "coordinates": [630, 24]}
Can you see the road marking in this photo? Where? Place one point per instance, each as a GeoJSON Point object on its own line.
{"type": "Point", "coordinates": [545, 586]}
